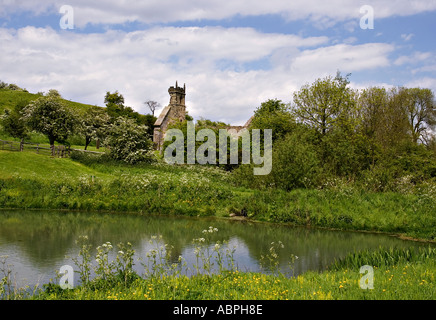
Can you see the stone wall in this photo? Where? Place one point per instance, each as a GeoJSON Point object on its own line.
{"type": "Point", "coordinates": [175, 111]}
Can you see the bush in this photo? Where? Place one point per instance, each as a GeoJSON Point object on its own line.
{"type": "Point", "coordinates": [89, 158]}
{"type": "Point", "coordinates": [129, 142]}
{"type": "Point", "coordinates": [295, 164]}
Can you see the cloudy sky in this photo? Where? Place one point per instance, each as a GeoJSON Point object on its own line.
{"type": "Point", "coordinates": [232, 55]}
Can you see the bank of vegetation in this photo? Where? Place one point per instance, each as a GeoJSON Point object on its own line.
{"type": "Point", "coordinates": [396, 274]}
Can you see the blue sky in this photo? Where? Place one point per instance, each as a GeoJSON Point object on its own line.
{"type": "Point", "coordinates": [231, 55]}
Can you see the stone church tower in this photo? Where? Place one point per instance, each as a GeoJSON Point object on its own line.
{"type": "Point", "coordinates": [175, 111]}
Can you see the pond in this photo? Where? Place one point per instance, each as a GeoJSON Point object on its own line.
{"type": "Point", "coordinates": [39, 243]}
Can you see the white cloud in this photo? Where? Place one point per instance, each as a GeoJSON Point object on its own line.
{"type": "Point", "coordinates": [412, 59]}
{"type": "Point", "coordinates": [425, 82]}
{"type": "Point", "coordinates": [407, 37]}
{"type": "Point", "coordinates": [426, 68]}
{"type": "Point", "coordinates": [347, 58]}
{"type": "Point", "coordinates": [321, 13]}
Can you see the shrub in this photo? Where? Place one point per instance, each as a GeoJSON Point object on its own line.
{"type": "Point", "coordinates": [129, 142]}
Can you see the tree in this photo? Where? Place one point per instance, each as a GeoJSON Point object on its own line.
{"type": "Point", "coordinates": [115, 105]}
{"type": "Point", "coordinates": [53, 93]}
{"type": "Point", "coordinates": [296, 161]}
{"type": "Point", "coordinates": [94, 124]}
{"type": "Point", "coordinates": [115, 108]}
{"type": "Point", "coordinates": [129, 142]}
{"type": "Point", "coordinates": [152, 105]}
{"type": "Point", "coordinates": [324, 103]}
{"type": "Point", "coordinates": [420, 109]}
{"type": "Point", "coordinates": [273, 114]}
{"type": "Point", "coordinates": [115, 98]}
{"type": "Point", "coordinates": [13, 122]}
{"type": "Point", "coordinates": [49, 115]}
{"type": "Point", "coordinates": [328, 106]}
{"type": "Point", "coordinates": [148, 120]}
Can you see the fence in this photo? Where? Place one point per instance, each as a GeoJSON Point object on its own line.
{"type": "Point", "coordinates": [57, 151]}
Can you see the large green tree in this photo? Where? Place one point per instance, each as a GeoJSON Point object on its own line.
{"type": "Point", "coordinates": [326, 103]}
{"type": "Point", "coordinates": [94, 124]}
{"type": "Point", "coordinates": [273, 114]}
{"type": "Point", "coordinates": [13, 123]}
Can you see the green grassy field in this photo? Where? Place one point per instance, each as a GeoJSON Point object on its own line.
{"type": "Point", "coordinates": [403, 281]}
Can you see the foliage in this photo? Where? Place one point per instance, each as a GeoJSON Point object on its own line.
{"type": "Point", "coordinates": [214, 149]}
{"type": "Point", "coordinates": [11, 86]}
{"type": "Point", "coordinates": [13, 123]}
{"type": "Point", "coordinates": [275, 115]}
{"type": "Point", "coordinates": [129, 142]}
{"type": "Point", "coordinates": [115, 108]}
{"type": "Point", "coordinates": [383, 257]}
{"type": "Point", "coordinates": [49, 115]}
{"type": "Point", "coordinates": [374, 137]}
{"type": "Point", "coordinates": [94, 124]}
{"type": "Point", "coordinates": [326, 103]}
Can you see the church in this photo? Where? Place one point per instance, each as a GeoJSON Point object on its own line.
{"type": "Point", "coordinates": [176, 111]}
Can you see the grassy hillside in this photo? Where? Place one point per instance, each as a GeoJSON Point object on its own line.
{"type": "Point", "coordinates": [9, 98]}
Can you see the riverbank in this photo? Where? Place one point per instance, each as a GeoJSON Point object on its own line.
{"type": "Point", "coordinates": [32, 181]}
{"type": "Point", "coordinates": [397, 275]}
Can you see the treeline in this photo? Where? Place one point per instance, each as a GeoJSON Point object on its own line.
{"type": "Point", "coordinates": [375, 137]}
{"type": "Point", "coordinates": [126, 134]}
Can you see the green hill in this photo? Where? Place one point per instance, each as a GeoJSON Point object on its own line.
{"type": "Point", "coordinates": [10, 98]}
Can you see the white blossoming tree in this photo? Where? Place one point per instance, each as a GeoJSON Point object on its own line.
{"type": "Point", "coordinates": [129, 142]}
{"type": "Point", "coordinates": [49, 116]}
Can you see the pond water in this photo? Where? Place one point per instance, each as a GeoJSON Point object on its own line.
{"type": "Point", "coordinates": [38, 243]}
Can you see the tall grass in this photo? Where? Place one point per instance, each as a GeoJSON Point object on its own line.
{"type": "Point", "coordinates": [384, 257]}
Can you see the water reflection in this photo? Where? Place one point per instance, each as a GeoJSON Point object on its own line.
{"type": "Point", "coordinates": [37, 243]}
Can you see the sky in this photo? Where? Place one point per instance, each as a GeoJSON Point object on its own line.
{"type": "Point", "coordinates": [232, 55]}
